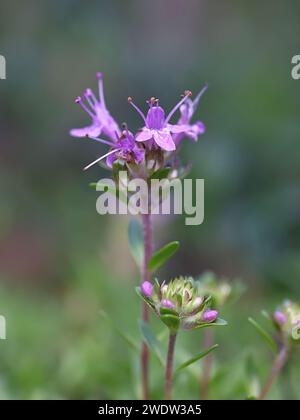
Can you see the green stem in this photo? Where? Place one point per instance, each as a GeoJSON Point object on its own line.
{"type": "Point", "coordinates": [169, 367]}
{"type": "Point", "coordinates": [146, 276]}
{"type": "Point", "coordinates": [207, 365]}
{"type": "Point", "coordinates": [278, 364]}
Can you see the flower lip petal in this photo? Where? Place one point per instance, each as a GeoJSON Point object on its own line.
{"type": "Point", "coordinates": [164, 140]}
{"type": "Point", "coordinates": [93, 130]}
{"type": "Point", "coordinates": [144, 135]}
{"type": "Point", "coordinates": [178, 128]}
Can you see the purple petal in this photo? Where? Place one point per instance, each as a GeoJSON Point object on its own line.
{"type": "Point", "coordinates": [164, 140]}
{"type": "Point", "coordinates": [144, 135]}
{"type": "Point", "coordinates": [178, 128]}
{"type": "Point", "coordinates": [199, 127]}
{"type": "Point", "coordinates": [110, 160]}
{"type": "Point", "coordinates": [155, 118]}
{"type": "Point", "coordinates": [139, 154]}
{"type": "Point", "coordinates": [93, 130]}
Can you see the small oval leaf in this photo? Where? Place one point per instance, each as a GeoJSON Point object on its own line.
{"type": "Point", "coordinates": [162, 255]}
{"type": "Point", "coordinates": [135, 239]}
{"type": "Point", "coordinates": [196, 358]}
{"type": "Point", "coordinates": [264, 335]}
{"type": "Point", "coordinates": [129, 340]}
{"type": "Point", "coordinates": [219, 322]}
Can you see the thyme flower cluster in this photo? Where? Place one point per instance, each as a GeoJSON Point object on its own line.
{"type": "Point", "coordinates": [152, 147]}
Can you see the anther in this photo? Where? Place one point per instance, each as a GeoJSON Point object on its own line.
{"type": "Point", "coordinates": [88, 92]}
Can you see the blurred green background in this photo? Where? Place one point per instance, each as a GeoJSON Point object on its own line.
{"type": "Point", "coordinates": [60, 262]}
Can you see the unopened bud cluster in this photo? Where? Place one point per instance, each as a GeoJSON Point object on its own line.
{"type": "Point", "coordinates": [287, 321]}
{"type": "Point", "coordinates": [179, 303]}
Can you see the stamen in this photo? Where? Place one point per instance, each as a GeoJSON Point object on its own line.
{"type": "Point", "coordinates": [136, 108]}
{"type": "Point", "coordinates": [125, 128]}
{"type": "Point", "coordinates": [100, 87]}
{"type": "Point", "coordinates": [79, 101]}
{"type": "Point", "coordinates": [88, 97]}
{"type": "Point", "coordinates": [109, 143]}
{"type": "Point", "coordinates": [91, 94]}
{"type": "Point", "coordinates": [117, 136]}
{"type": "Point", "coordinates": [187, 93]}
{"type": "Point", "coordinates": [100, 158]}
{"type": "Point", "coordinates": [197, 99]}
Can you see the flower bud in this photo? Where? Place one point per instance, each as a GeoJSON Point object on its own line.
{"type": "Point", "coordinates": [197, 302]}
{"type": "Point", "coordinates": [164, 288]}
{"type": "Point", "coordinates": [146, 288]}
{"type": "Point", "coordinates": [280, 318]}
{"type": "Point", "coordinates": [166, 303]}
{"type": "Point", "coordinates": [209, 315]}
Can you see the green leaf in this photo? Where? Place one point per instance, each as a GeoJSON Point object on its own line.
{"type": "Point", "coordinates": [161, 173]}
{"type": "Point", "coordinates": [171, 321]}
{"type": "Point", "coordinates": [196, 358]}
{"type": "Point", "coordinates": [151, 341]}
{"type": "Point", "coordinates": [264, 334]}
{"type": "Point", "coordinates": [162, 255]}
{"type": "Point", "coordinates": [218, 323]}
{"type": "Point", "coordinates": [135, 239]}
{"type": "Point", "coordinates": [130, 341]}
{"type": "Point", "coordinates": [167, 311]}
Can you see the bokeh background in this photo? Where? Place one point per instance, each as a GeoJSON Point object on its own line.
{"type": "Point", "coordinates": [61, 263]}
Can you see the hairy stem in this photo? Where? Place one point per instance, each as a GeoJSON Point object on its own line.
{"type": "Point", "coordinates": [169, 367]}
{"type": "Point", "coordinates": [275, 370]}
{"type": "Point", "coordinates": [207, 365]}
{"type": "Point", "coordinates": [146, 276]}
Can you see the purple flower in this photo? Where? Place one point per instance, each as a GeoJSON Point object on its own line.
{"type": "Point", "coordinates": [280, 318]}
{"type": "Point", "coordinates": [209, 315]}
{"type": "Point", "coordinates": [187, 111]}
{"type": "Point", "coordinates": [128, 150]}
{"type": "Point", "coordinates": [124, 148]}
{"type": "Point", "coordinates": [146, 288]}
{"type": "Point", "coordinates": [166, 303]}
{"type": "Point", "coordinates": [157, 127]}
{"type": "Point", "coordinates": [102, 121]}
